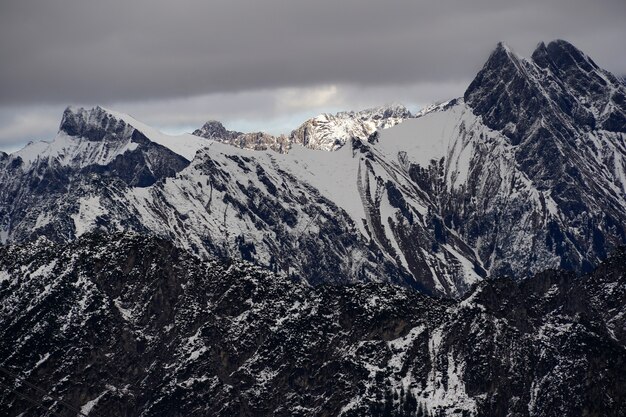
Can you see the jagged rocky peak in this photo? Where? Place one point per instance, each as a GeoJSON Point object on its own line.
{"type": "Point", "coordinates": [503, 94]}
{"type": "Point", "coordinates": [557, 109]}
{"type": "Point", "coordinates": [502, 60]}
{"type": "Point", "coordinates": [560, 54]}
{"type": "Point", "coordinates": [111, 144]}
{"type": "Point", "coordinates": [594, 89]}
{"type": "Point", "coordinates": [560, 87]}
{"type": "Point", "coordinates": [94, 124]}
{"type": "Point", "coordinates": [214, 129]}
{"type": "Point", "coordinates": [330, 132]}
{"type": "Point", "coordinates": [380, 113]}
{"type": "Point", "coordinates": [324, 132]}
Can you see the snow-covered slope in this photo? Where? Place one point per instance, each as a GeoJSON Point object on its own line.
{"type": "Point", "coordinates": [475, 187]}
{"type": "Point", "coordinates": [325, 216]}
{"type": "Point", "coordinates": [185, 145]}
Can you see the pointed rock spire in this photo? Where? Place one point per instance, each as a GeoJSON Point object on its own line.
{"type": "Point", "coordinates": [593, 96]}
{"type": "Point", "coordinates": [501, 63]}
{"type": "Point", "coordinates": [502, 90]}
{"type": "Point", "coordinates": [541, 56]}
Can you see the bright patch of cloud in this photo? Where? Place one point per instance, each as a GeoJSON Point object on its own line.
{"type": "Point", "coordinates": [305, 98]}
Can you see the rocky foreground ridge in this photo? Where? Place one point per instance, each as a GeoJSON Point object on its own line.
{"type": "Point", "coordinates": [129, 325]}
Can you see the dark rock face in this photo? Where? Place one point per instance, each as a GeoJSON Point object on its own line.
{"type": "Point", "coordinates": [126, 325]}
{"type": "Point", "coordinates": [564, 117]}
{"type": "Point", "coordinates": [95, 124]}
{"type": "Point", "coordinates": [140, 167]}
{"type": "Point", "coordinates": [560, 88]}
{"type": "Point", "coordinates": [504, 96]}
{"type": "Point", "coordinates": [596, 96]}
{"type": "Point", "coordinates": [143, 166]}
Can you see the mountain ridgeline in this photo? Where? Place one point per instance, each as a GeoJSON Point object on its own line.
{"type": "Point", "coordinates": [327, 132]}
{"type": "Point", "coordinates": [526, 172]}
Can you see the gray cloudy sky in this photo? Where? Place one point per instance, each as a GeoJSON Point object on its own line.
{"type": "Point", "coordinates": [267, 64]}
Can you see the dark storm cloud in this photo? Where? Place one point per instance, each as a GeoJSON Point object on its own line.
{"type": "Point", "coordinates": [111, 51]}
{"type": "Point", "coordinates": [266, 64]}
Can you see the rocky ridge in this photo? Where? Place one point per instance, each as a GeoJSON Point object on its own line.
{"type": "Point", "coordinates": [327, 132]}
{"type": "Point", "coordinates": [258, 141]}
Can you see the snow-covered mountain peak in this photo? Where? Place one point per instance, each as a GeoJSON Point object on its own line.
{"type": "Point", "coordinates": [588, 86]}
{"type": "Point", "coordinates": [330, 132]}
{"type": "Point", "coordinates": [504, 73]}
{"type": "Point", "coordinates": [85, 137]}
{"type": "Point", "coordinates": [439, 106]}
{"type": "Point", "coordinates": [108, 143]}
{"type": "Point", "coordinates": [504, 55]}
{"type": "Point", "coordinates": [502, 49]}
{"type": "Point", "coordinates": [98, 135]}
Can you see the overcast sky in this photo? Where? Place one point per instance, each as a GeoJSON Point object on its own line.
{"type": "Point", "coordinates": [267, 64]}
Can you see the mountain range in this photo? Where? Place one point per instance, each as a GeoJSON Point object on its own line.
{"type": "Point", "coordinates": [224, 265]}
{"type": "Point", "coordinates": [526, 172]}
